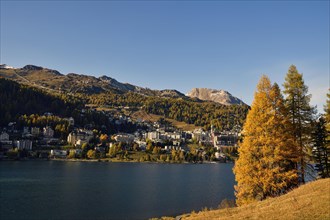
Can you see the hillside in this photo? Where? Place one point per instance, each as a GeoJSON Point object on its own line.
{"type": "Point", "coordinates": [142, 115]}
{"type": "Point", "coordinates": [219, 96]}
{"type": "Point", "coordinates": [105, 92]}
{"type": "Point", "coordinates": [53, 80]}
{"type": "Point", "coordinates": [310, 201]}
{"type": "Point", "coordinates": [17, 100]}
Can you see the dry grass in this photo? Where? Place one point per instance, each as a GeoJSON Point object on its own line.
{"type": "Point", "coordinates": [310, 201]}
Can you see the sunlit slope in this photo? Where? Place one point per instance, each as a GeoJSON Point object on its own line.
{"type": "Point", "coordinates": [310, 201]}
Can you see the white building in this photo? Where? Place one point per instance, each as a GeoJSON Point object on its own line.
{"type": "Point", "coordinates": [23, 144]}
{"type": "Point", "coordinates": [79, 137]}
{"type": "Point", "coordinates": [48, 132]}
{"type": "Point", "coordinates": [125, 138]}
{"type": "Point", "coordinates": [154, 135]}
{"type": "Point", "coordinates": [142, 144]}
{"type": "Point", "coordinates": [58, 153]}
{"type": "Point", "coordinates": [4, 136]}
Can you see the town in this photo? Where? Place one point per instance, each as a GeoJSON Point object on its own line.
{"type": "Point", "coordinates": [157, 141]}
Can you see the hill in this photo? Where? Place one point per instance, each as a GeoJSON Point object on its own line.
{"type": "Point", "coordinates": [219, 96]}
{"type": "Point", "coordinates": [309, 201]}
{"type": "Point", "coordinates": [142, 115]}
{"type": "Point", "coordinates": [17, 100]}
{"type": "Point", "coordinates": [105, 92]}
{"type": "Point", "coordinates": [53, 80]}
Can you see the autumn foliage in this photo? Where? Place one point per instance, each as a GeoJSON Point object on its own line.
{"type": "Point", "coordinates": [268, 155]}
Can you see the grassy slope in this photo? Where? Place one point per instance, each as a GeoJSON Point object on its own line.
{"type": "Point", "coordinates": [310, 201]}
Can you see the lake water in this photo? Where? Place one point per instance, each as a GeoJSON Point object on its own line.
{"type": "Point", "coordinates": [82, 190]}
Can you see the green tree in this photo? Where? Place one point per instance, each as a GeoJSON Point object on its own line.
{"type": "Point", "coordinates": [300, 113]}
{"type": "Point", "coordinates": [265, 166]}
{"type": "Point", "coordinates": [327, 117]}
{"type": "Point", "coordinates": [85, 147]}
{"type": "Point", "coordinates": [321, 152]}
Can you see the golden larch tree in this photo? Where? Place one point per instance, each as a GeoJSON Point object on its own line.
{"type": "Point", "coordinates": [268, 154]}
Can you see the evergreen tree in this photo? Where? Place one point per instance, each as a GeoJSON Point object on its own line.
{"type": "Point", "coordinates": [321, 151]}
{"type": "Point", "coordinates": [327, 117]}
{"type": "Point", "coordinates": [301, 115]}
{"type": "Point", "coordinates": [267, 155]}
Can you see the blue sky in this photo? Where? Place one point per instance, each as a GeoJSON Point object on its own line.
{"type": "Point", "coordinates": [173, 44]}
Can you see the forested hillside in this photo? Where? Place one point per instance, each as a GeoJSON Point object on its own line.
{"type": "Point", "coordinates": [27, 106]}
{"type": "Point", "coordinates": [17, 100]}
{"type": "Point", "coordinates": [199, 113]}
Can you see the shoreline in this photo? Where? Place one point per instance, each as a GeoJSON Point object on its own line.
{"type": "Point", "coordinates": [106, 160]}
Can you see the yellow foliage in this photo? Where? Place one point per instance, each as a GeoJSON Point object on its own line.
{"type": "Point", "coordinates": [267, 157]}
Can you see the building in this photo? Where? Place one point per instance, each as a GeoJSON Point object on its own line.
{"type": "Point", "coordinates": [154, 135]}
{"type": "Point", "coordinates": [124, 138]}
{"type": "Point", "coordinates": [23, 144]}
{"type": "Point", "coordinates": [35, 131]}
{"type": "Point", "coordinates": [71, 121]}
{"type": "Point", "coordinates": [226, 139]}
{"type": "Point", "coordinates": [201, 136]}
{"type": "Point", "coordinates": [79, 137]}
{"type": "Point", "coordinates": [48, 132]}
{"type": "Point", "coordinates": [4, 140]}
{"type": "Point", "coordinates": [4, 136]}
{"type": "Point", "coordinates": [142, 144]}
{"type": "Point", "coordinates": [77, 152]}
{"type": "Point", "coordinates": [58, 153]}
{"type": "Point", "coordinates": [26, 130]}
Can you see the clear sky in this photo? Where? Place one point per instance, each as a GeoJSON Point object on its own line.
{"type": "Point", "coordinates": [173, 44]}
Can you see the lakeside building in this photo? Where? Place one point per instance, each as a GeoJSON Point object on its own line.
{"type": "Point", "coordinates": [23, 144]}
{"type": "Point", "coordinates": [124, 138]}
{"type": "Point", "coordinates": [48, 132]}
{"type": "Point", "coordinates": [58, 153]}
{"type": "Point", "coordinates": [154, 135]}
{"type": "Point", "coordinates": [35, 131]}
{"type": "Point", "coordinates": [4, 136]}
{"type": "Point", "coordinates": [79, 137]}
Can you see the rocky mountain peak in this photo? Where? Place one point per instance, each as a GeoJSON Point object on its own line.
{"type": "Point", "coordinates": [219, 96]}
{"type": "Point", "coordinates": [38, 68]}
{"type": "Point", "coordinates": [32, 67]}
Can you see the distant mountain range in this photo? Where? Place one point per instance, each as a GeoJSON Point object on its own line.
{"type": "Point", "coordinates": [54, 81]}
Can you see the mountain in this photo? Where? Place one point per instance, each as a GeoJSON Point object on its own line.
{"type": "Point", "coordinates": [219, 96]}
{"type": "Point", "coordinates": [109, 94]}
{"type": "Point", "coordinates": [54, 81]}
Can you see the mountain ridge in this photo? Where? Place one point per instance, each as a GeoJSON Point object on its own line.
{"type": "Point", "coordinates": [55, 81]}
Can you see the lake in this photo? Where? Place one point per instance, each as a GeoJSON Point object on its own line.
{"type": "Point", "coordinates": [83, 190]}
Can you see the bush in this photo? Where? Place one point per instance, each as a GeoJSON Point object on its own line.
{"type": "Point", "coordinates": [226, 203]}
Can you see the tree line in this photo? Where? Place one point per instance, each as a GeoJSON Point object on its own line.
{"type": "Point", "coordinates": [27, 105]}
{"type": "Point", "coordinates": [282, 136]}
{"type": "Point", "coordinates": [199, 113]}
{"type": "Point", "coordinates": [17, 100]}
